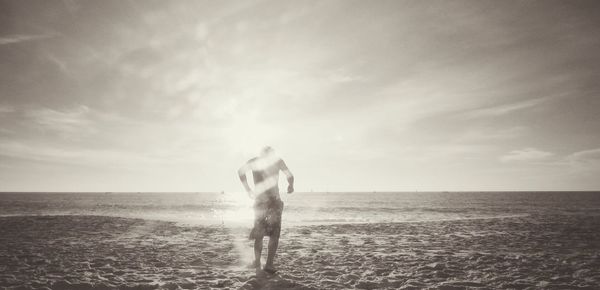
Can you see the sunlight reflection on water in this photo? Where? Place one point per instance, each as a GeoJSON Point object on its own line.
{"type": "Point", "coordinates": [234, 209]}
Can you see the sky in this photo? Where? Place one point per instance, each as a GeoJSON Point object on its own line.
{"type": "Point", "coordinates": [353, 95]}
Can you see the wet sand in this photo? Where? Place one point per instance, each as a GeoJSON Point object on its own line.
{"type": "Point", "coordinates": [93, 252]}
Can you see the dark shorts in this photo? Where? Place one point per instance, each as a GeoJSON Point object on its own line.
{"type": "Point", "coordinates": [267, 217]}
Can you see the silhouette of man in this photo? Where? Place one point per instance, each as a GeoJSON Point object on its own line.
{"type": "Point", "coordinates": [267, 203]}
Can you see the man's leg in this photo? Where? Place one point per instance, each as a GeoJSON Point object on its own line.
{"type": "Point", "coordinates": [258, 245]}
{"type": "Point", "coordinates": [273, 243]}
{"type": "Point", "coordinates": [274, 237]}
{"type": "Point", "coordinates": [258, 232]}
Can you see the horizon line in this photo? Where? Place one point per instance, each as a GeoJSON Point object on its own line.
{"type": "Point", "coordinates": [371, 191]}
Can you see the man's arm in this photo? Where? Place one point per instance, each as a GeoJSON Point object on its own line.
{"type": "Point", "coordinates": [290, 177]}
{"type": "Point", "coordinates": [242, 174]}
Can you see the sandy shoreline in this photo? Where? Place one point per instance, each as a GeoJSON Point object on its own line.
{"type": "Point", "coordinates": [94, 252]}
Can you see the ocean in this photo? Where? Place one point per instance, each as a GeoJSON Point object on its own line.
{"type": "Point", "coordinates": [305, 208]}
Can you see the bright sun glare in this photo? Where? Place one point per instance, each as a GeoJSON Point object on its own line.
{"type": "Point", "coordinates": [247, 133]}
{"type": "Point", "coordinates": [239, 208]}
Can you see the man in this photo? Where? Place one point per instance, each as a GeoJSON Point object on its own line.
{"type": "Point", "coordinates": [267, 203]}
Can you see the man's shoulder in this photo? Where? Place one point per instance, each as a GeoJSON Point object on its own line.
{"type": "Point", "coordinates": [252, 162]}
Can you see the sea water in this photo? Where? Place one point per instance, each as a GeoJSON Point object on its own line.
{"type": "Point", "coordinates": [305, 208]}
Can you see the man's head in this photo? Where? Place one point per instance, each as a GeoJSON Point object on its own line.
{"type": "Point", "coordinates": [266, 151]}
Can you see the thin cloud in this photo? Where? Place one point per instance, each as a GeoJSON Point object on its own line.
{"type": "Point", "coordinates": [340, 76]}
{"type": "Point", "coordinates": [60, 64]}
{"type": "Point", "coordinates": [17, 38]}
{"type": "Point", "coordinates": [585, 156]}
{"type": "Point", "coordinates": [526, 155]}
{"type": "Point", "coordinates": [6, 109]}
{"type": "Point", "coordinates": [72, 6]}
{"type": "Point", "coordinates": [493, 134]}
{"type": "Point", "coordinates": [61, 155]}
{"type": "Point", "coordinates": [17, 149]}
{"type": "Point", "coordinates": [585, 162]}
{"type": "Point", "coordinates": [66, 123]}
{"type": "Point", "coordinates": [505, 109]}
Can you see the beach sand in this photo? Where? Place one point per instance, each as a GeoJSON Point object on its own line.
{"type": "Point", "coordinates": [93, 252]}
